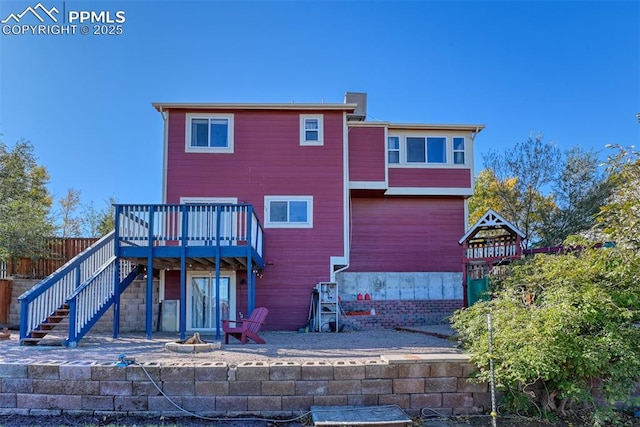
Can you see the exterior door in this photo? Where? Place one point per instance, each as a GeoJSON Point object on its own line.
{"type": "Point", "coordinates": [202, 308]}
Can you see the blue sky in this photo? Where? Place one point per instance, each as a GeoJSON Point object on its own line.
{"type": "Point", "coordinates": [570, 70]}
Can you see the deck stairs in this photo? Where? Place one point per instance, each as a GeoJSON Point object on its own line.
{"type": "Point", "coordinates": [73, 298]}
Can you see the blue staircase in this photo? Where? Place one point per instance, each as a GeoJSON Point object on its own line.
{"type": "Point", "coordinates": [82, 290]}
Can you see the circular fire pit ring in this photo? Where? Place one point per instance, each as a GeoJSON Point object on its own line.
{"type": "Point", "coordinates": [192, 345]}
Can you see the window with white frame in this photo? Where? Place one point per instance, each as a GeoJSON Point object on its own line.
{"type": "Point", "coordinates": [288, 211]}
{"type": "Point", "coordinates": [393, 149]}
{"type": "Point", "coordinates": [209, 133]}
{"type": "Point", "coordinates": [311, 129]}
{"type": "Point", "coordinates": [458, 150]}
{"type": "Point", "coordinates": [429, 149]}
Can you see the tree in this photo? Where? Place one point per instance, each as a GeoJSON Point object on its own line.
{"type": "Point", "coordinates": [101, 222]}
{"type": "Point", "coordinates": [579, 192]}
{"type": "Point", "coordinates": [71, 223]}
{"type": "Point", "coordinates": [24, 202]}
{"type": "Point", "coordinates": [533, 164]}
{"type": "Point", "coordinates": [619, 219]}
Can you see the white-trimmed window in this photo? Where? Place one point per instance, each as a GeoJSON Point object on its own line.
{"type": "Point", "coordinates": [458, 150]}
{"type": "Point", "coordinates": [393, 149]}
{"type": "Point", "coordinates": [209, 133]}
{"type": "Point", "coordinates": [288, 211]}
{"type": "Point", "coordinates": [311, 130]}
{"type": "Point", "coordinates": [430, 149]}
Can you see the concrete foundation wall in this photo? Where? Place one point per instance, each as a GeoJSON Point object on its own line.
{"type": "Point", "coordinates": [400, 286]}
{"type": "Point", "coordinates": [250, 388]}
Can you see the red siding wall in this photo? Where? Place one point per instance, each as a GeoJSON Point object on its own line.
{"type": "Point", "coordinates": [407, 234]}
{"type": "Point", "coordinates": [268, 160]}
{"type": "Point", "coordinates": [425, 177]}
{"type": "Point", "coordinates": [367, 151]}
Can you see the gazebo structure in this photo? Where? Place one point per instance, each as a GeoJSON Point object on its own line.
{"type": "Point", "coordinates": [490, 242]}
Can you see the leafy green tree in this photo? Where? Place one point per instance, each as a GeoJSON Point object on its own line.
{"type": "Point", "coordinates": [520, 175]}
{"type": "Point", "coordinates": [71, 219]}
{"type": "Point", "coordinates": [100, 222]}
{"type": "Point", "coordinates": [619, 219]}
{"type": "Point", "coordinates": [579, 192]}
{"type": "Point", "coordinates": [24, 203]}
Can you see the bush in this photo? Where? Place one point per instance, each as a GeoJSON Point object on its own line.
{"type": "Point", "coordinates": [565, 330]}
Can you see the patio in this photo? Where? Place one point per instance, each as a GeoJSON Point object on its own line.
{"type": "Point", "coordinates": [281, 346]}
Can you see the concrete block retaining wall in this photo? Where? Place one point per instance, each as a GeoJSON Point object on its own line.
{"type": "Point", "coordinates": [250, 388]}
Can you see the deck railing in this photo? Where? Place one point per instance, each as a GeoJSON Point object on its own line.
{"type": "Point", "coordinates": [189, 225]}
{"type": "Point", "coordinates": [492, 251]}
{"type": "Point", "coordinates": [38, 303]}
{"type": "Point", "coordinates": [95, 295]}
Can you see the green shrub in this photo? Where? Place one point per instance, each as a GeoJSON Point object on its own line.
{"type": "Point", "coordinates": [565, 331]}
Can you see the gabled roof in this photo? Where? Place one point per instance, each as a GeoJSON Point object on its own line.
{"type": "Point", "coordinates": [491, 219]}
{"type": "Point", "coordinates": [161, 106]}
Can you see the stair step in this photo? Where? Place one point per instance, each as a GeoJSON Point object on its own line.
{"type": "Point", "coordinates": [39, 334]}
{"type": "Point", "coordinates": [55, 319]}
{"type": "Point", "coordinates": [31, 341]}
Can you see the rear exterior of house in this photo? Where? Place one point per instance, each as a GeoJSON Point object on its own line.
{"type": "Point", "coordinates": [377, 207]}
{"type": "Point", "coordinates": [262, 202]}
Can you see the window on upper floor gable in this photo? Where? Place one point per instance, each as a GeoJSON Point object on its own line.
{"type": "Point", "coordinates": [209, 133]}
{"type": "Point", "coordinates": [393, 149]}
{"type": "Point", "coordinates": [288, 211]}
{"type": "Point", "coordinates": [311, 129]}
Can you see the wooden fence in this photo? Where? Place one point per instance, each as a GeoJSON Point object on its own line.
{"type": "Point", "coordinates": [59, 251]}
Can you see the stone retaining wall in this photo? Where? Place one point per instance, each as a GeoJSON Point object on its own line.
{"type": "Point", "coordinates": [265, 389]}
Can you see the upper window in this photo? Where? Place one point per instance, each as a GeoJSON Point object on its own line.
{"type": "Point", "coordinates": [426, 149]}
{"type": "Point", "coordinates": [458, 151]}
{"type": "Point", "coordinates": [393, 149]}
{"type": "Point", "coordinates": [288, 211]}
{"type": "Point", "coordinates": [311, 132]}
{"type": "Point", "coordinates": [209, 133]}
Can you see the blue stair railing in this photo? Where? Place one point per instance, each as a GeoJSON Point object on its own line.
{"type": "Point", "coordinates": [86, 284]}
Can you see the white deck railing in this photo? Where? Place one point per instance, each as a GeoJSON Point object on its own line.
{"type": "Point", "coordinates": [41, 301]}
{"type": "Point", "coordinates": [189, 225]}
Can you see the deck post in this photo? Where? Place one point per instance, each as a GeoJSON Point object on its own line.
{"type": "Point", "coordinates": [217, 237]}
{"type": "Point", "coordinates": [116, 303]}
{"type": "Point", "coordinates": [116, 274]}
{"type": "Point", "coordinates": [183, 273]}
{"type": "Point", "coordinates": [149, 296]}
{"type": "Point", "coordinates": [251, 276]}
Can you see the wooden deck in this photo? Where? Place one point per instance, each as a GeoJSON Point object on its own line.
{"type": "Point", "coordinates": [192, 236]}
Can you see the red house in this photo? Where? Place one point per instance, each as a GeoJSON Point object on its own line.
{"type": "Point", "coordinates": [261, 202]}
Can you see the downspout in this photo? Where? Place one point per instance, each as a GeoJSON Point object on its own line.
{"type": "Point", "coordinates": [165, 150]}
{"type": "Point", "coordinates": [346, 201]}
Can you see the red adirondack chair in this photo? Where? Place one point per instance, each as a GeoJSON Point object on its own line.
{"type": "Point", "coordinates": [246, 328]}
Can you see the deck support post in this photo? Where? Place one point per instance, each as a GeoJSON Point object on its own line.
{"type": "Point", "coordinates": [116, 302]}
{"type": "Point", "coordinates": [149, 294]}
{"type": "Point", "coordinates": [251, 273]}
{"type": "Point", "coordinates": [217, 313]}
{"type": "Point", "coordinates": [116, 273]}
{"type": "Point", "coordinates": [183, 273]}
